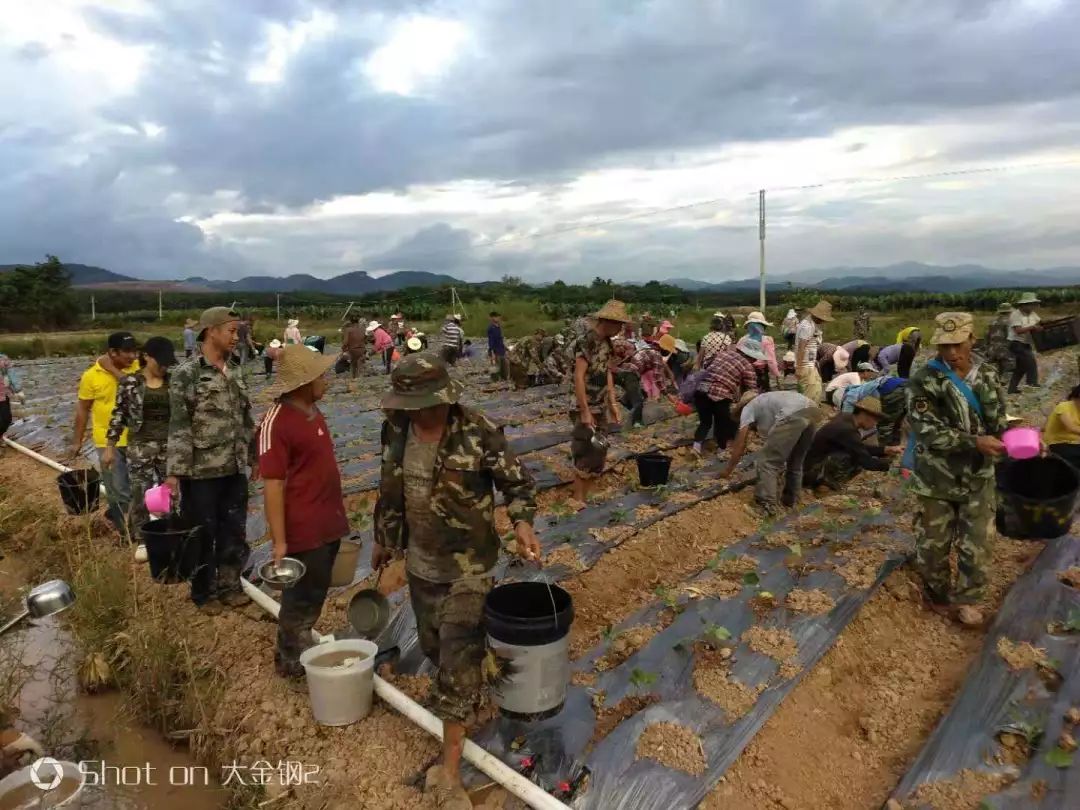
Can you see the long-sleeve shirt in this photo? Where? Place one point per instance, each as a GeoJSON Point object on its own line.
{"type": "Point", "coordinates": [712, 343]}
{"type": "Point", "coordinates": [453, 337]}
{"type": "Point", "coordinates": [472, 460]}
{"type": "Point", "coordinates": [887, 356]}
{"type": "Point", "coordinates": [496, 344]}
{"type": "Point", "coordinates": [210, 424]}
{"type": "Point", "coordinates": [727, 376]}
{"type": "Point", "coordinates": [353, 340]}
{"type": "Point", "coordinates": [643, 361]}
{"type": "Point", "coordinates": [292, 335]}
{"type": "Point", "coordinates": [381, 340]}
{"type": "Point", "coordinates": [9, 378]}
{"type": "Point", "coordinates": [840, 435]}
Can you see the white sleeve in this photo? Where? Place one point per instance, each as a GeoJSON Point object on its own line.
{"type": "Point", "coordinates": [747, 417]}
{"type": "Point", "coordinates": [1016, 318]}
{"type": "Point", "coordinates": [804, 331]}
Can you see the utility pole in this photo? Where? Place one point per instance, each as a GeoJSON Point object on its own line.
{"type": "Point", "coordinates": [160, 308]}
{"type": "Point", "coordinates": [761, 238]}
{"type": "Point", "coordinates": [93, 309]}
{"type": "Point", "coordinates": [279, 306]}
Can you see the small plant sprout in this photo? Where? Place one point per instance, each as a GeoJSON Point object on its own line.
{"type": "Point", "coordinates": [640, 679]}
{"type": "Point", "coordinates": [751, 579]}
{"type": "Point", "coordinates": [716, 633]}
{"type": "Point", "coordinates": [608, 633]}
{"type": "Point", "coordinates": [618, 515]}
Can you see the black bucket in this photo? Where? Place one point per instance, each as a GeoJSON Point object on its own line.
{"type": "Point", "coordinates": [528, 628]}
{"type": "Point", "coordinates": [171, 548]}
{"type": "Point", "coordinates": [653, 469]}
{"type": "Point", "coordinates": [1036, 497]}
{"type": "Point", "coordinates": [79, 490]}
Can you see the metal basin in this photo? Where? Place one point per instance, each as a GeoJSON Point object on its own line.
{"type": "Point", "coordinates": [369, 613]}
{"type": "Point", "coordinates": [49, 598]}
{"type": "Point", "coordinates": [282, 574]}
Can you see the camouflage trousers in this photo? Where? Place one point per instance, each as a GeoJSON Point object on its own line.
{"type": "Point", "coordinates": [301, 606]}
{"type": "Point", "coordinates": [944, 527]}
{"type": "Point", "coordinates": [450, 629]}
{"type": "Point", "coordinates": [589, 461]}
{"type": "Point", "coordinates": [146, 469]}
{"type": "Point", "coordinates": [833, 470]}
{"type": "Point", "coordinates": [890, 427]}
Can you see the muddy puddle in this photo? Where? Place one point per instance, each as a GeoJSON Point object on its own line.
{"type": "Point", "coordinates": [128, 767]}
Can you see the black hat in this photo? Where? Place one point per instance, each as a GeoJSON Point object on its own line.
{"type": "Point", "coordinates": [122, 341]}
{"type": "Point", "coordinates": [161, 349]}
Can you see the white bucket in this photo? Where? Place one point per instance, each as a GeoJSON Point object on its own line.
{"type": "Point", "coordinates": [19, 784]}
{"type": "Point", "coordinates": [340, 694]}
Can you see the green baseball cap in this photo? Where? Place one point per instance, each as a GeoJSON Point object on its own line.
{"type": "Point", "coordinates": [421, 381]}
{"type": "Point", "coordinates": [216, 316]}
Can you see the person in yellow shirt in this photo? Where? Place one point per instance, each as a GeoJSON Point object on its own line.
{"type": "Point", "coordinates": [1062, 432]}
{"type": "Point", "coordinates": [97, 398]}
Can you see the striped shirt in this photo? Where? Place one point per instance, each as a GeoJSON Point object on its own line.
{"type": "Point", "coordinates": [808, 331]}
{"type": "Point", "coordinates": [453, 336]}
{"type": "Point", "coordinates": [727, 376]}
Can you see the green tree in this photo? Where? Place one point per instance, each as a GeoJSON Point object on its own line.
{"type": "Point", "coordinates": [37, 297]}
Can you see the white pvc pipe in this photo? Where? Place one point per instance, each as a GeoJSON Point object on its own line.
{"type": "Point", "coordinates": [495, 768]}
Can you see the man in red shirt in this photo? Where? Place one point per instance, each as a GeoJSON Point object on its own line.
{"type": "Point", "coordinates": [304, 506]}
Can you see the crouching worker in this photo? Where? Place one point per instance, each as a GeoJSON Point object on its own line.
{"type": "Point", "coordinates": [440, 465]}
{"type": "Point", "coordinates": [302, 495]}
{"type": "Point", "coordinates": [956, 410]}
{"type": "Point", "coordinates": [785, 420]}
{"type": "Point", "coordinates": [838, 452]}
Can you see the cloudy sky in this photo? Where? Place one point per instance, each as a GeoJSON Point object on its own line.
{"type": "Point", "coordinates": [562, 139]}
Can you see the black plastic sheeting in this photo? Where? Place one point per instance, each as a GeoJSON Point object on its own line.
{"type": "Point", "coordinates": [994, 696]}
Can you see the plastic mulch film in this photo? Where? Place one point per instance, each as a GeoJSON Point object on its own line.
{"type": "Point", "coordinates": [1023, 707]}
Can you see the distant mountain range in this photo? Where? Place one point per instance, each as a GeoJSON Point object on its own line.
{"type": "Point", "coordinates": [901, 277]}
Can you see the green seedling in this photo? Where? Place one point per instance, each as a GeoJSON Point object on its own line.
{"type": "Point", "coordinates": [608, 633]}
{"type": "Point", "coordinates": [669, 596]}
{"type": "Point", "coordinates": [751, 579]}
{"type": "Point", "coordinates": [717, 633]}
{"type": "Point", "coordinates": [641, 679]}
{"type": "Point", "coordinates": [1058, 757]}
{"type": "Point", "coordinates": [618, 515]}
{"type": "Point", "coordinates": [795, 549]}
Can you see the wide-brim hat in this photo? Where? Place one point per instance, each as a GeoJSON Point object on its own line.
{"type": "Point", "coordinates": [1004, 309]}
{"type": "Point", "coordinates": [822, 310]}
{"type": "Point", "coordinates": [789, 357]}
{"type": "Point", "coordinates": [372, 326]}
{"type": "Point", "coordinates": [870, 405]}
{"type": "Point", "coordinates": [613, 311]}
{"type": "Point", "coordinates": [298, 366]}
{"type": "Point", "coordinates": [293, 322]}
{"type": "Point", "coordinates": [421, 381]}
{"type": "Point", "coordinates": [190, 323]}
{"type": "Point", "coordinates": [1028, 298]}
{"type": "Point", "coordinates": [952, 328]}
{"type": "Point", "coordinates": [275, 344]}
{"type": "Point", "coordinates": [414, 344]}
{"type": "Point", "coordinates": [667, 344]}
{"type": "Point", "coordinates": [751, 348]}
{"type": "Point", "coordinates": [864, 366]}
{"type": "Point", "coordinates": [757, 317]}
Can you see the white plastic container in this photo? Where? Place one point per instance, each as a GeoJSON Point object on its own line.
{"type": "Point", "coordinates": [340, 694]}
{"type": "Point", "coordinates": [66, 794]}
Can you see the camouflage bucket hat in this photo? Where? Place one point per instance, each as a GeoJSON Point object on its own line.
{"type": "Point", "coordinates": [421, 381]}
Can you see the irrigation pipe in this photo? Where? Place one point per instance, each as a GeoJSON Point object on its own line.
{"type": "Point", "coordinates": [495, 768]}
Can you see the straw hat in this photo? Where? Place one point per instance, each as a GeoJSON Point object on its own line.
{"type": "Point", "coordinates": [421, 381]}
{"type": "Point", "coordinates": [1005, 308]}
{"type": "Point", "coordinates": [275, 344]}
{"type": "Point", "coordinates": [298, 366]}
{"type": "Point", "coordinates": [757, 317]}
{"type": "Point", "coordinates": [190, 323]}
{"type": "Point", "coordinates": [822, 310]}
{"type": "Point", "coordinates": [719, 314]}
{"type": "Point", "coordinates": [680, 344]}
{"type": "Point", "coordinates": [613, 311]}
{"type": "Point", "coordinates": [953, 327]}
{"type": "Point", "coordinates": [789, 357]}
{"type": "Point", "coordinates": [667, 344]}
{"type": "Point", "coordinates": [292, 322]}
{"type": "Point", "coordinates": [870, 405]}
{"type": "Point", "coordinates": [372, 326]}
{"type": "Point", "coordinates": [1028, 298]}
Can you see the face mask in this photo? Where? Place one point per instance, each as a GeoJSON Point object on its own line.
{"type": "Point", "coordinates": [755, 330]}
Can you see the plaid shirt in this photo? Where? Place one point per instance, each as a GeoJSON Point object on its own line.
{"type": "Point", "coordinates": [646, 360]}
{"type": "Point", "coordinates": [727, 376]}
{"type": "Point", "coordinates": [712, 343]}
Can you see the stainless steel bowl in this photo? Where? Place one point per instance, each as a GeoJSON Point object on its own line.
{"type": "Point", "coordinates": [282, 574]}
{"type": "Point", "coordinates": [49, 598]}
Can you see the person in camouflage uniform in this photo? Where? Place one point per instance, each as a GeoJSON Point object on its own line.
{"type": "Point", "coordinates": [524, 360]}
{"type": "Point", "coordinates": [957, 412]}
{"type": "Point", "coordinates": [142, 407]}
{"type": "Point", "coordinates": [441, 463]}
{"type": "Point", "coordinates": [557, 364]}
{"type": "Point", "coordinates": [997, 341]}
{"type": "Point", "coordinates": [861, 325]}
{"type": "Point", "coordinates": [593, 402]}
{"type": "Point", "coordinates": [210, 446]}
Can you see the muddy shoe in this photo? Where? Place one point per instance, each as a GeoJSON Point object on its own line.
{"type": "Point", "coordinates": [969, 616]}
{"type": "Point", "coordinates": [446, 794]}
{"type": "Point", "coordinates": [140, 553]}
{"type": "Point", "coordinates": [211, 608]}
{"type": "Point", "coordinates": [235, 599]}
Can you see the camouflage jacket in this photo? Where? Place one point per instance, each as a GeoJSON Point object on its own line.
{"type": "Point", "coordinates": [210, 429]}
{"type": "Point", "coordinates": [997, 338]}
{"type": "Point", "coordinates": [128, 412]}
{"type": "Point", "coordinates": [556, 364]}
{"type": "Point", "coordinates": [861, 326]}
{"type": "Point", "coordinates": [945, 426]}
{"type": "Point", "coordinates": [597, 352]}
{"type": "Point", "coordinates": [473, 457]}
{"type": "Point", "coordinates": [526, 352]}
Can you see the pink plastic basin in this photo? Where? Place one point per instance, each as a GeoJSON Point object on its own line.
{"type": "Point", "coordinates": [1021, 442]}
{"type": "Point", "coordinates": [158, 499]}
